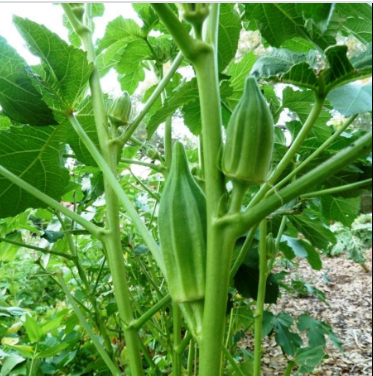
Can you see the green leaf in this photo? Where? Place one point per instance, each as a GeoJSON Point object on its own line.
{"type": "Point", "coordinates": [33, 154]}
{"type": "Point", "coordinates": [135, 53]}
{"type": "Point", "coordinates": [33, 330]}
{"type": "Point", "coordinates": [247, 280]}
{"type": "Point", "coordinates": [314, 329]}
{"type": "Point", "coordinates": [18, 97]}
{"type": "Point", "coordinates": [52, 351]}
{"type": "Point", "coordinates": [120, 31]}
{"type": "Point", "coordinates": [301, 102]}
{"type": "Point", "coordinates": [288, 340]}
{"type": "Point", "coordinates": [279, 61]}
{"type": "Point", "coordinates": [299, 248]}
{"type": "Point", "coordinates": [340, 209]}
{"type": "Point", "coordinates": [229, 34]}
{"type": "Point", "coordinates": [364, 59]}
{"type": "Point", "coordinates": [298, 45]}
{"type": "Point", "coordinates": [278, 22]}
{"type": "Point", "coordinates": [67, 65]}
{"type": "Point", "coordinates": [238, 71]}
{"type": "Point", "coordinates": [352, 99]}
{"type": "Point", "coordinates": [86, 118]}
{"type": "Point", "coordinates": [8, 252]}
{"type": "Point", "coordinates": [301, 75]}
{"type": "Point", "coordinates": [319, 13]}
{"type": "Point", "coordinates": [314, 230]}
{"type": "Point", "coordinates": [147, 15]}
{"type": "Point", "coordinates": [10, 363]}
{"type": "Point", "coordinates": [185, 93]}
{"type": "Point", "coordinates": [358, 20]}
{"type": "Point", "coordinates": [308, 359]}
{"type": "Point", "coordinates": [340, 70]}
{"type": "Point", "coordinates": [131, 81]}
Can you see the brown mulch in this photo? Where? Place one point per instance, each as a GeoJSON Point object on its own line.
{"type": "Point", "coordinates": [350, 314]}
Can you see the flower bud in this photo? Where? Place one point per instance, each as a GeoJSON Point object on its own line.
{"type": "Point", "coordinates": [120, 110]}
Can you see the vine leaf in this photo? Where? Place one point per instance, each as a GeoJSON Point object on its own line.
{"type": "Point", "coordinates": [68, 68]}
{"type": "Point", "coordinates": [18, 97]}
{"type": "Point", "coordinates": [35, 155]}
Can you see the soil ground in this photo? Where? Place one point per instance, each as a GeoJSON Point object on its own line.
{"type": "Point", "coordinates": [349, 295]}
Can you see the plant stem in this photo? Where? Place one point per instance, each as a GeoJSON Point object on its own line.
{"type": "Point", "coordinates": [218, 278]}
{"type": "Point", "coordinates": [244, 251]}
{"type": "Point", "coordinates": [106, 358]}
{"type": "Point", "coordinates": [139, 323]}
{"type": "Point", "coordinates": [180, 34]}
{"type": "Point", "coordinates": [177, 339]}
{"type": "Point", "coordinates": [261, 297]}
{"type": "Point", "coordinates": [93, 229]}
{"type": "Point", "coordinates": [289, 369]}
{"type": "Point", "coordinates": [242, 222]}
{"type": "Point", "coordinates": [112, 241]}
{"type": "Point", "coordinates": [153, 98]}
{"type": "Point", "coordinates": [232, 362]}
{"type": "Point", "coordinates": [278, 242]}
{"type": "Point", "coordinates": [238, 195]}
{"type": "Point", "coordinates": [314, 155]}
{"type": "Point", "coordinates": [184, 343]}
{"type": "Point", "coordinates": [335, 190]}
{"type": "Point", "coordinates": [117, 189]}
{"type": "Point", "coordinates": [153, 166]}
{"type": "Point", "coordinates": [191, 358]}
{"type": "Point", "coordinates": [38, 249]}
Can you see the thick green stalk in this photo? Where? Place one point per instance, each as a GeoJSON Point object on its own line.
{"type": "Point", "coordinates": [261, 298]}
{"type": "Point", "coordinates": [218, 278]}
{"type": "Point", "coordinates": [93, 229]}
{"type": "Point", "coordinates": [177, 366]}
{"type": "Point", "coordinates": [117, 189]}
{"type": "Point", "coordinates": [335, 190]}
{"type": "Point", "coordinates": [181, 36]}
{"type": "Point", "coordinates": [242, 222]}
{"type": "Point", "coordinates": [314, 155]}
{"type": "Point", "coordinates": [106, 358]}
{"type": "Point", "coordinates": [112, 240]}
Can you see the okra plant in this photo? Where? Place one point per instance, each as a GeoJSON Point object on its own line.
{"type": "Point", "coordinates": [187, 254]}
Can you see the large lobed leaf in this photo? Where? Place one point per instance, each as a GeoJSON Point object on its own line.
{"type": "Point", "coordinates": [35, 155]}
{"type": "Point", "coordinates": [18, 97]}
{"type": "Point", "coordinates": [67, 66]}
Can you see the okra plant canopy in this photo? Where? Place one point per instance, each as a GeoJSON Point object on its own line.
{"type": "Point", "coordinates": [160, 273]}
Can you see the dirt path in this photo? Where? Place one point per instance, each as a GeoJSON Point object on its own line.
{"type": "Point", "coordinates": [349, 313]}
